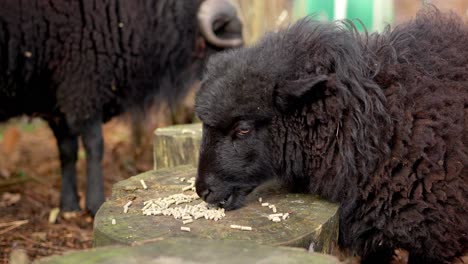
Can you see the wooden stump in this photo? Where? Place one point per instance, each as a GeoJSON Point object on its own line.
{"type": "Point", "coordinates": [177, 145]}
{"type": "Point", "coordinates": [312, 220]}
{"type": "Point", "coordinates": [196, 251]}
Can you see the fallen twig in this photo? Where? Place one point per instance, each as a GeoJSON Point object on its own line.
{"type": "Point", "coordinates": [18, 222]}
{"type": "Point", "coordinates": [42, 244]}
{"type": "Point", "coordinates": [12, 225]}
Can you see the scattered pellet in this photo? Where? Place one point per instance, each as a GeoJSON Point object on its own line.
{"type": "Point", "coordinates": [276, 219]}
{"type": "Point", "coordinates": [113, 221]}
{"type": "Point", "coordinates": [143, 184]}
{"type": "Point", "coordinates": [182, 179]}
{"type": "Point", "coordinates": [260, 199]}
{"type": "Point", "coordinates": [272, 207]}
{"type": "Point", "coordinates": [186, 188]}
{"type": "Point", "coordinates": [265, 204]}
{"type": "Point", "coordinates": [188, 221]}
{"type": "Point", "coordinates": [125, 209]}
{"type": "Point", "coordinates": [185, 228]}
{"type": "Point", "coordinates": [186, 217]}
{"type": "Point", "coordinates": [128, 204]}
{"type": "Point", "coordinates": [247, 228]}
{"type": "Point", "coordinates": [285, 216]}
{"type": "Point", "coordinates": [271, 216]}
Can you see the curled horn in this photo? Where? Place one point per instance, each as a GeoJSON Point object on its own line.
{"type": "Point", "coordinates": [216, 13]}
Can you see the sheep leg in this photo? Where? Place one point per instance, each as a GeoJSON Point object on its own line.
{"type": "Point", "coordinates": [94, 147]}
{"type": "Point", "coordinates": [67, 144]}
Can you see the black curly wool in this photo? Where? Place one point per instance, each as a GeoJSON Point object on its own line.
{"type": "Point", "coordinates": [377, 123]}
{"type": "Point", "coordinates": [92, 58]}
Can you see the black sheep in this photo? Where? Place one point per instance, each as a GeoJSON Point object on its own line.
{"type": "Point", "coordinates": [79, 63]}
{"type": "Point", "coordinates": [377, 123]}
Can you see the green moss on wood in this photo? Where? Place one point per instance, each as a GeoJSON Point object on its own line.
{"type": "Point", "coordinates": [182, 250]}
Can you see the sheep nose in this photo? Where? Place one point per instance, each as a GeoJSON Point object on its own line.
{"type": "Point", "coordinates": [204, 194]}
{"type": "Point", "coordinates": [202, 190]}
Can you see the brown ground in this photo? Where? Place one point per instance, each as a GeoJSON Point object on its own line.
{"type": "Point", "coordinates": [30, 185]}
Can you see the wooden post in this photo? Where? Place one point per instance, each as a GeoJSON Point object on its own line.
{"type": "Point", "coordinates": [177, 145]}
{"type": "Point", "coordinates": [312, 220]}
{"type": "Point", "coordinates": [261, 16]}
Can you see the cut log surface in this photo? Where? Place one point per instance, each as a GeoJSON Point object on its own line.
{"type": "Point", "coordinates": [311, 220]}
{"type": "Point", "coordinates": [181, 250]}
{"type": "Point", "coordinates": [177, 145]}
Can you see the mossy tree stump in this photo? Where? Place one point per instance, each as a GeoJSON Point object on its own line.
{"type": "Point", "coordinates": [312, 220]}
{"type": "Point", "coordinates": [178, 251]}
{"type": "Point", "coordinates": [177, 145]}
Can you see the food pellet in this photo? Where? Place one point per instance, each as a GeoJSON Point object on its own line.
{"type": "Point", "coordinates": [187, 221]}
{"type": "Point", "coordinates": [247, 228]}
{"type": "Point", "coordinates": [125, 209]}
{"type": "Point", "coordinates": [274, 209]}
{"type": "Point", "coordinates": [265, 204]}
{"type": "Point", "coordinates": [274, 215]}
{"type": "Point", "coordinates": [128, 204]}
{"type": "Point", "coordinates": [143, 184]}
{"type": "Point", "coordinates": [276, 219]}
{"type": "Point", "coordinates": [186, 217]}
{"type": "Point", "coordinates": [260, 199]}
{"type": "Point", "coordinates": [285, 216]}
{"type": "Point", "coordinates": [113, 221]}
{"type": "Point", "coordinates": [187, 188]}
{"type": "Point", "coordinates": [235, 226]}
{"type": "Point", "coordinates": [185, 228]}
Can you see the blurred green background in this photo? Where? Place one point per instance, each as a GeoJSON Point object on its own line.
{"type": "Point", "coordinates": [264, 15]}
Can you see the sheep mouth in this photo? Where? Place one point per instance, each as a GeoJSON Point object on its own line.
{"type": "Point", "coordinates": [234, 200]}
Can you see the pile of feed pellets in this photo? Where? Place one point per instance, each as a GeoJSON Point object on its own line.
{"type": "Point", "coordinates": [177, 206]}
{"type": "Point", "coordinates": [187, 213]}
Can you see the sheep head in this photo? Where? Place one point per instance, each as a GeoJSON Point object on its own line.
{"type": "Point", "coordinates": [280, 108]}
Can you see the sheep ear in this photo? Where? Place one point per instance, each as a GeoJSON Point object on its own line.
{"type": "Point", "coordinates": [290, 93]}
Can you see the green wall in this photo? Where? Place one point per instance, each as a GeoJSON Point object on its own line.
{"type": "Point", "coordinates": [374, 14]}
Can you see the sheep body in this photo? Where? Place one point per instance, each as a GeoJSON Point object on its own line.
{"type": "Point", "coordinates": [105, 50]}
{"type": "Point", "coordinates": [377, 123]}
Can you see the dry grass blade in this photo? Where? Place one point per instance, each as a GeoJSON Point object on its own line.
{"type": "Point", "coordinates": [12, 225]}
{"type": "Point", "coordinates": [19, 222]}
